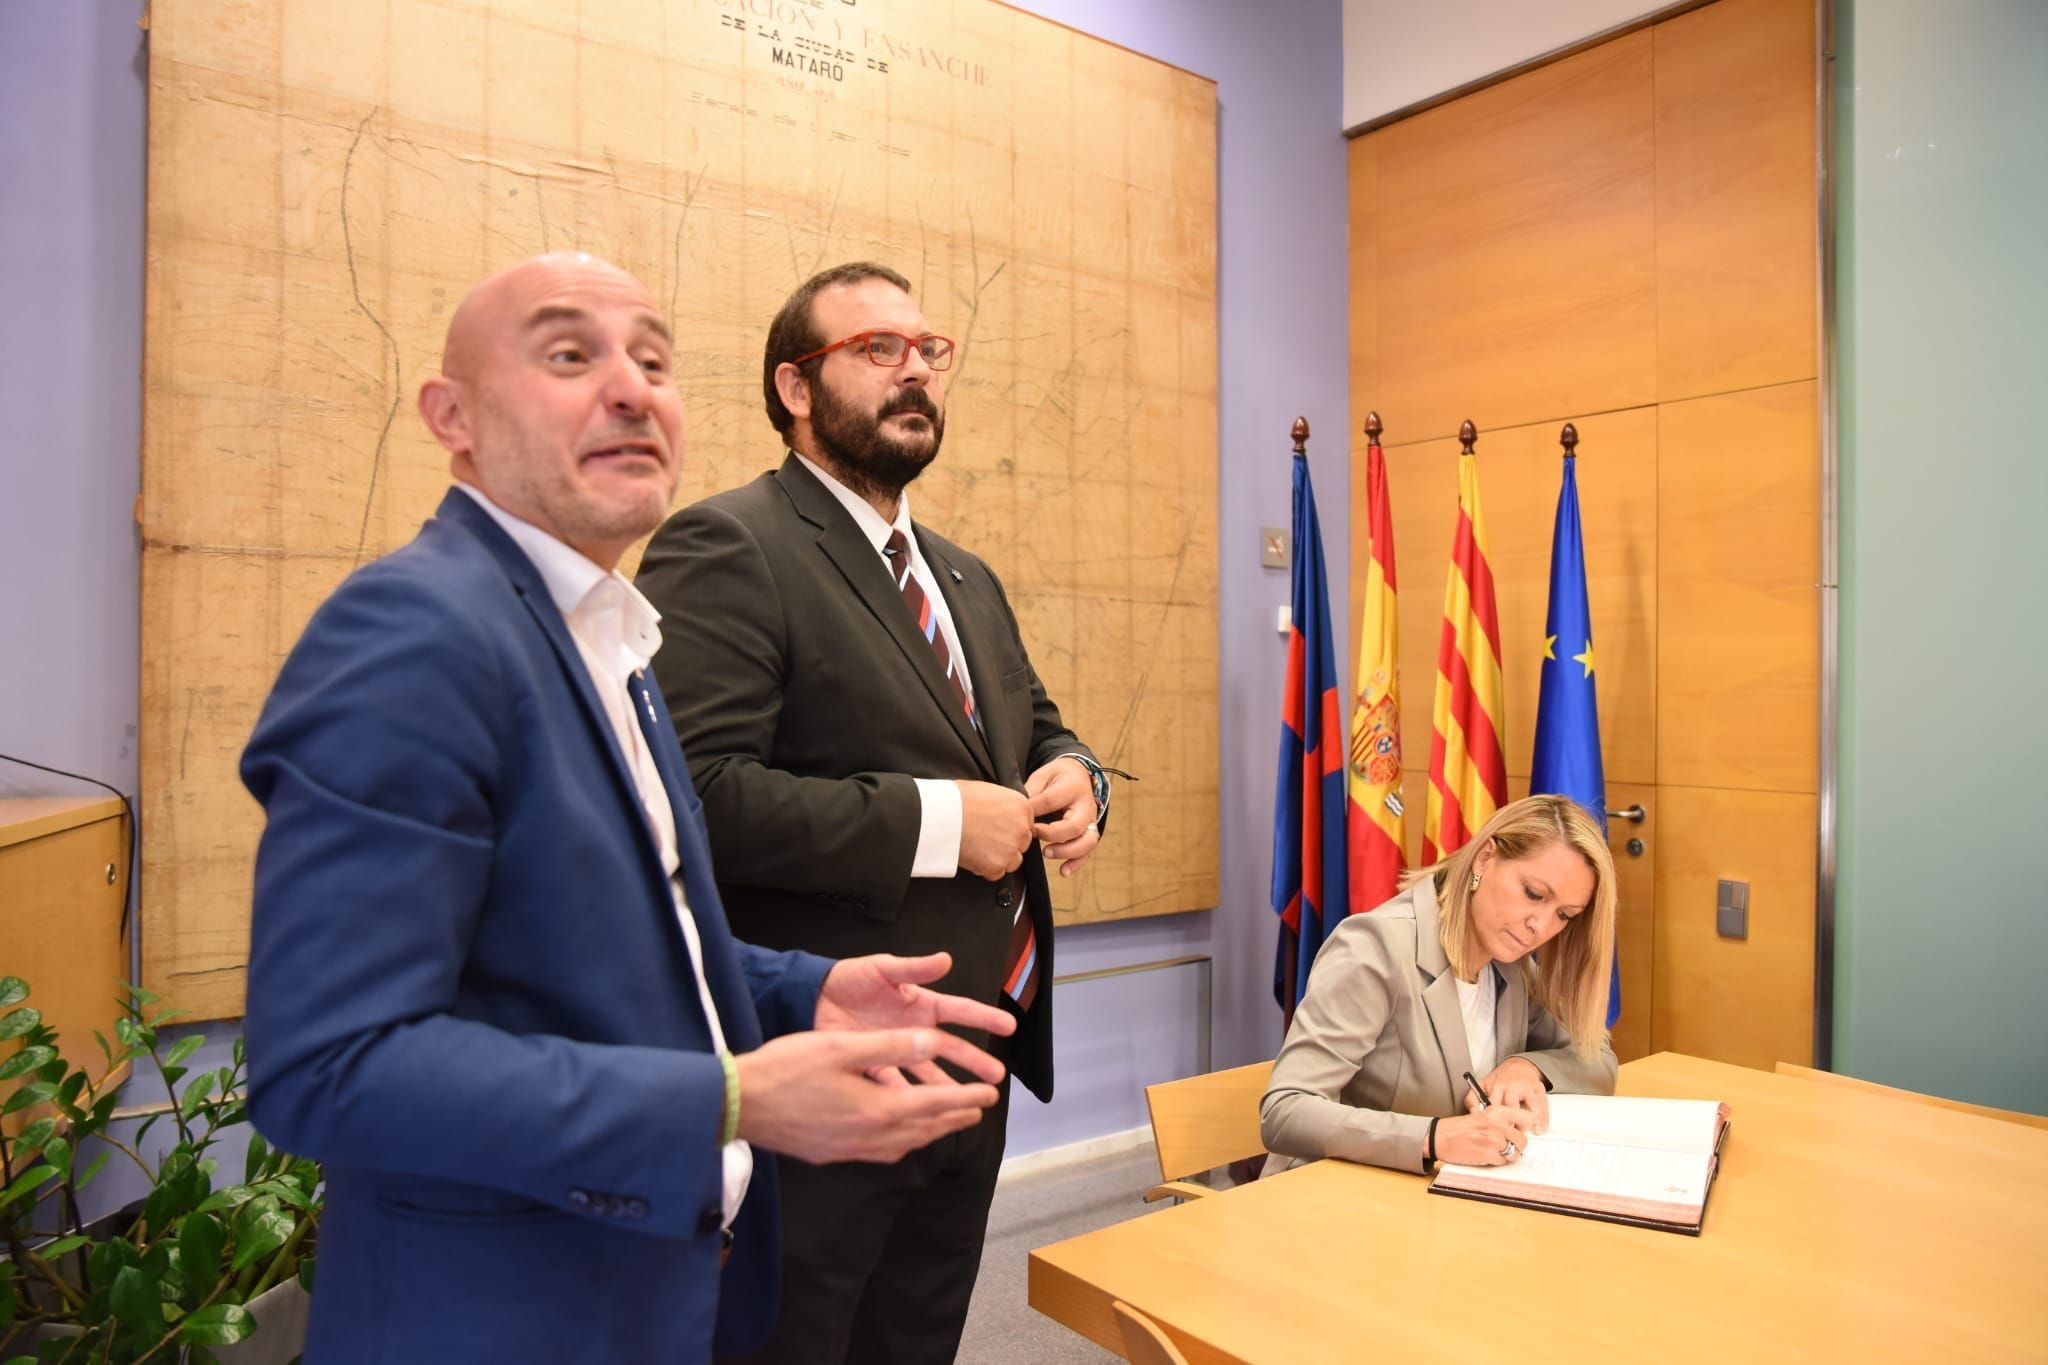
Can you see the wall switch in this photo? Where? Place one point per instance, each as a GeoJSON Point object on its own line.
{"type": "Point", "coordinates": [1273, 546]}
{"type": "Point", "coordinates": [1731, 910]}
{"type": "Point", "coordinates": [1286, 618]}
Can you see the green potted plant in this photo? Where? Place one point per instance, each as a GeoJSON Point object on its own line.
{"type": "Point", "coordinates": [184, 1274]}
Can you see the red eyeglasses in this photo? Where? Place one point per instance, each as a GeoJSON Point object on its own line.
{"type": "Point", "coordinates": [891, 349]}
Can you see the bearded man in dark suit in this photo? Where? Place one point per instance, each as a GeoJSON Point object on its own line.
{"type": "Point", "coordinates": [881, 770]}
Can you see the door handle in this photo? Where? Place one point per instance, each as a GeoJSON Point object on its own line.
{"type": "Point", "coordinates": [1634, 815]}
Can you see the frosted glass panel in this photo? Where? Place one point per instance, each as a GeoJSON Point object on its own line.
{"type": "Point", "coordinates": [1942, 913]}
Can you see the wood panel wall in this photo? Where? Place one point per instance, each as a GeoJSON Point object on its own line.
{"type": "Point", "coordinates": [1625, 239]}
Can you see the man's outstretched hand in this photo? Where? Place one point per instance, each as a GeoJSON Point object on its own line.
{"type": "Point", "coordinates": [813, 1095]}
{"type": "Point", "coordinates": [881, 991]}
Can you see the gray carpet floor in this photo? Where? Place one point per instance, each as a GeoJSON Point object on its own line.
{"type": "Point", "coordinates": [1033, 1211]}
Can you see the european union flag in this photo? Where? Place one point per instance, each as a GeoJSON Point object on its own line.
{"type": "Point", "coordinates": [1567, 758]}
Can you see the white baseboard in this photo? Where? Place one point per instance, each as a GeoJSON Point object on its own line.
{"type": "Point", "coordinates": [1035, 1163]}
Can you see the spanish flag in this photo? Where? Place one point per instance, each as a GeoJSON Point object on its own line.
{"type": "Point", "coordinates": [1468, 776]}
{"type": "Point", "coordinates": [1375, 825]}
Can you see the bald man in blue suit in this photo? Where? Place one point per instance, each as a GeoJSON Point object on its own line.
{"type": "Point", "coordinates": [491, 985]}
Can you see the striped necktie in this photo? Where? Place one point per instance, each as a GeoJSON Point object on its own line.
{"type": "Point", "coordinates": [921, 611]}
{"type": "Point", "coordinates": [1020, 980]}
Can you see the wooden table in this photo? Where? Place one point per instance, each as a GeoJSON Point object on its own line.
{"type": "Point", "coordinates": [1843, 1226]}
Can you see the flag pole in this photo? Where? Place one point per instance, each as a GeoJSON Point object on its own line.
{"type": "Point", "coordinates": [1468, 436]}
{"type": "Point", "coordinates": [1569, 439]}
{"type": "Point", "coordinates": [1300, 434]}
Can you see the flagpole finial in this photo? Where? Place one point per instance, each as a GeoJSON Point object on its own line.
{"type": "Point", "coordinates": [1300, 434]}
{"type": "Point", "coordinates": [1372, 426]}
{"type": "Point", "coordinates": [1569, 439]}
{"type": "Point", "coordinates": [1468, 436]}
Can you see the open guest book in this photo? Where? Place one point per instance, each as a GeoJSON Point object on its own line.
{"type": "Point", "coordinates": [1613, 1157]}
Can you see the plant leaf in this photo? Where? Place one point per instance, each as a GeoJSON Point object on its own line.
{"type": "Point", "coordinates": [50, 1251]}
{"type": "Point", "coordinates": [13, 990]}
{"type": "Point", "coordinates": [35, 1135]}
{"type": "Point", "coordinates": [105, 1050]}
{"type": "Point", "coordinates": [259, 1151]}
{"type": "Point", "coordinates": [221, 1324]}
{"type": "Point", "coordinates": [142, 997]}
{"type": "Point", "coordinates": [58, 1154]}
{"type": "Point", "coordinates": [14, 1023]}
{"type": "Point", "coordinates": [124, 1031]}
{"type": "Point", "coordinates": [25, 1061]}
{"type": "Point", "coordinates": [107, 1258]}
{"type": "Point", "coordinates": [184, 1048]}
{"type": "Point", "coordinates": [260, 1228]}
{"type": "Point", "coordinates": [136, 1302]}
{"type": "Point", "coordinates": [306, 1273]}
{"type": "Point", "coordinates": [196, 1094]}
{"type": "Point", "coordinates": [234, 1196]}
{"type": "Point", "coordinates": [32, 1178]}
{"type": "Point", "coordinates": [200, 1239]}
{"type": "Point", "coordinates": [92, 1168]}
{"type": "Point", "coordinates": [35, 1092]}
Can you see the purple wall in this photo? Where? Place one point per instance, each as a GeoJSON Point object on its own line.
{"type": "Point", "coordinates": [71, 127]}
{"type": "Point", "coordinates": [71, 181]}
{"type": "Point", "coordinates": [1282, 329]}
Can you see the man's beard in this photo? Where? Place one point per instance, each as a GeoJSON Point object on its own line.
{"type": "Point", "coordinates": [861, 454]}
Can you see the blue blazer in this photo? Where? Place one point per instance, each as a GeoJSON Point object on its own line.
{"type": "Point", "coordinates": [469, 995]}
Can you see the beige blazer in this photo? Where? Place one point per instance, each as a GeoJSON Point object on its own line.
{"type": "Point", "coordinates": [1378, 1048]}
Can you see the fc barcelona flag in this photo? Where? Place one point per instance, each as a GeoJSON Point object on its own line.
{"type": "Point", "coordinates": [1308, 807]}
{"type": "Point", "coordinates": [1567, 756]}
{"type": "Point", "coordinates": [1468, 775]}
{"type": "Point", "coordinates": [1375, 822]}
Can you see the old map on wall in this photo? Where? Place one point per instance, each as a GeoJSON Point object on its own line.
{"type": "Point", "coordinates": [326, 178]}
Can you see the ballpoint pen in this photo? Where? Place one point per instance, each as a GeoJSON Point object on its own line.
{"type": "Point", "coordinates": [1477, 1089]}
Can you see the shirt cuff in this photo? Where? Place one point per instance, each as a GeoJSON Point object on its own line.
{"type": "Point", "coordinates": [938, 830]}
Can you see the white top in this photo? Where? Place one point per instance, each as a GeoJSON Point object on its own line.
{"type": "Point", "coordinates": [938, 832]}
{"type": "Point", "coordinates": [1476, 1001]}
{"type": "Point", "coordinates": [617, 631]}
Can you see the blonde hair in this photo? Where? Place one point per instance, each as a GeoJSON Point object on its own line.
{"type": "Point", "coordinates": [1568, 976]}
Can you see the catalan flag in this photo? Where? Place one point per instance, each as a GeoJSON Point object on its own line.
{"type": "Point", "coordinates": [1376, 826]}
{"type": "Point", "coordinates": [1468, 776]}
{"type": "Point", "coordinates": [1309, 883]}
{"type": "Point", "coordinates": [1567, 757]}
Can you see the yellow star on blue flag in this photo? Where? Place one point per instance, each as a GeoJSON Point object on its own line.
{"type": "Point", "coordinates": [1567, 755]}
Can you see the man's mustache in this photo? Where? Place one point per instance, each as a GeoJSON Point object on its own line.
{"type": "Point", "coordinates": [910, 400]}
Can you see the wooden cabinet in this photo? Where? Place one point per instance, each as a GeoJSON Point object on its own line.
{"type": "Point", "coordinates": [63, 877]}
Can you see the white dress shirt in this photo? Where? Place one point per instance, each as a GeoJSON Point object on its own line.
{"type": "Point", "coordinates": [617, 631]}
{"type": "Point", "coordinates": [938, 830]}
{"type": "Point", "coordinates": [1477, 1001]}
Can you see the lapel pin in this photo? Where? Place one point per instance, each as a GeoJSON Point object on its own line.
{"type": "Point", "coordinates": [956, 575]}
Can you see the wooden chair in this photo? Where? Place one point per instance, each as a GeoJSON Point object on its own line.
{"type": "Point", "coordinates": [1145, 1341]}
{"type": "Point", "coordinates": [1939, 1101]}
{"type": "Point", "coordinates": [1202, 1122]}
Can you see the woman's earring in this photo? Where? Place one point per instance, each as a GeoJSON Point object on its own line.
{"type": "Point", "coordinates": [1475, 882]}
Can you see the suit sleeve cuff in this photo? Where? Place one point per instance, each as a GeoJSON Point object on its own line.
{"type": "Point", "coordinates": [938, 829]}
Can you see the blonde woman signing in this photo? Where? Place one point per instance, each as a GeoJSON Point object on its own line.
{"type": "Point", "coordinates": [1495, 961]}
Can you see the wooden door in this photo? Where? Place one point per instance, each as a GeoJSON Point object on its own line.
{"type": "Point", "coordinates": [1625, 239]}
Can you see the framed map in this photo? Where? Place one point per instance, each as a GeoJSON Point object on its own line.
{"type": "Point", "coordinates": [327, 178]}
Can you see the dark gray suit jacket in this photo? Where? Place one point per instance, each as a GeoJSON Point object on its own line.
{"type": "Point", "coordinates": [807, 703]}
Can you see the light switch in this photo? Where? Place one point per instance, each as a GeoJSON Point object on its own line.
{"type": "Point", "coordinates": [1285, 618]}
{"type": "Point", "coordinates": [1731, 910]}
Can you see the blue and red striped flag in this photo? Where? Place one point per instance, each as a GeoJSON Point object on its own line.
{"type": "Point", "coordinates": [1309, 877]}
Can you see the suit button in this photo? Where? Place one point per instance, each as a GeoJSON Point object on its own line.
{"type": "Point", "coordinates": [636, 1209]}
{"type": "Point", "coordinates": [1006, 898]}
{"type": "Point", "coordinates": [709, 1222]}
{"type": "Point", "coordinates": [579, 1200]}
{"type": "Point", "coordinates": [615, 1207]}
